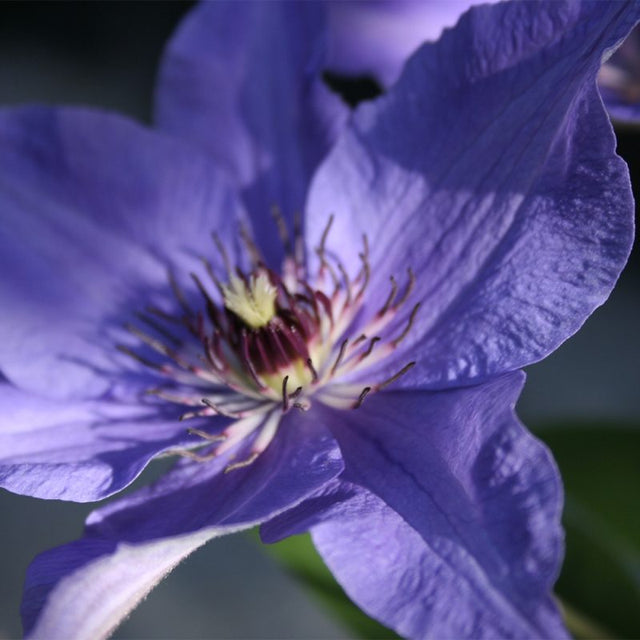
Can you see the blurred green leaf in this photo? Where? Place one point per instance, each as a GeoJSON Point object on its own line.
{"type": "Point", "coordinates": [300, 558]}
{"type": "Point", "coordinates": [600, 579]}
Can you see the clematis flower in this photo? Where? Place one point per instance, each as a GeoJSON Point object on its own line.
{"type": "Point", "coordinates": [351, 371]}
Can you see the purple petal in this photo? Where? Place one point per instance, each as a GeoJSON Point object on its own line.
{"type": "Point", "coordinates": [243, 81]}
{"type": "Point", "coordinates": [489, 169]}
{"type": "Point", "coordinates": [411, 586]}
{"type": "Point", "coordinates": [80, 451]}
{"type": "Point", "coordinates": [94, 209]}
{"type": "Point", "coordinates": [454, 527]}
{"type": "Point", "coordinates": [373, 37]}
{"type": "Point", "coordinates": [85, 588]}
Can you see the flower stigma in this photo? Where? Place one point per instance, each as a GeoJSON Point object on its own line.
{"type": "Point", "coordinates": [265, 344]}
{"type": "Point", "coordinates": [253, 302]}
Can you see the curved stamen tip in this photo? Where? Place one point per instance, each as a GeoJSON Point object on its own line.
{"type": "Point", "coordinates": [242, 463]}
{"type": "Point", "coordinates": [364, 393]}
{"type": "Point", "coordinates": [209, 437]}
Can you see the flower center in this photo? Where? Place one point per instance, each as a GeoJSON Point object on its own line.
{"type": "Point", "coordinates": [266, 343]}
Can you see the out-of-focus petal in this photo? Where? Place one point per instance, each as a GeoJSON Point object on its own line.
{"type": "Point", "coordinates": [459, 504]}
{"type": "Point", "coordinates": [80, 451]}
{"type": "Point", "coordinates": [95, 210]}
{"type": "Point", "coordinates": [243, 80]}
{"type": "Point", "coordinates": [376, 37]}
{"type": "Point", "coordinates": [619, 81]}
{"type": "Point", "coordinates": [84, 589]}
{"type": "Point", "coordinates": [490, 169]}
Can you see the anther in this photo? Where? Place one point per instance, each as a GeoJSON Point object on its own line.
{"type": "Point", "coordinates": [285, 397]}
{"type": "Point", "coordinates": [155, 344]}
{"type": "Point", "coordinates": [325, 235]}
{"type": "Point", "coordinates": [283, 232]}
{"type": "Point", "coordinates": [408, 289]}
{"type": "Point", "coordinates": [347, 283]}
{"type": "Point", "coordinates": [372, 344]}
{"type": "Point", "coordinates": [209, 437]}
{"type": "Point", "coordinates": [246, 359]}
{"type": "Point", "coordinates": [209, 268]}
{"type": "Point", "coordinates": [203, 291]}
{"type": "Point", "coordinates": [185, 453]}
{"type": "Point", "coordinates": [314, 373]}
{"type": "Point", "coordinates": [404, 334]}
{"type": "Point", "coordinates": [243, 463]}
{"type": "Point", "coordinates": [178, 293]}
{"type": "Point", "coordinates": [141, 359]}
{"type": "Point", "coordinates": [156, 326]}
{"type": "Point", "coordinates": [364, 393]}
{"type": "Point", "coordinates": [164, 315]}
{"type": "Point", "coordinates": [252, 249]}
{"type": "Point", "coordinates": [395, 376]}
{"type": "Point", "coordinates": [389, 300]}
{"type": "Point", "coordinates": [298, 240]}
{"type": "Point", "coordinates": [366, 273]}
{"type": "Point", "coordinates": [218, 409]}
{"type": "Point", "coordinates": [222, 251]}
{"type": "Point", "coordinates": [336, 364]}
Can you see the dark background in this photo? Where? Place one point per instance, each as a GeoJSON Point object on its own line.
{"type": "Point", "coordinates": [105, 54]}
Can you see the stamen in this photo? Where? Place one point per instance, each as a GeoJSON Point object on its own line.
{"type": "Point", "coordinates": [185, 453]}
{"type": "Point", "coordinates": [209, 268]}
{"type": "Point", "coordinates": [196, 414]}
{"type": "Point", "coordinates": [252, 249]}
{"type": "Point", "coordinates": [243, 463]}
{"type": "Point", "coordinates": [366, 271]}
{"type": "Point", "coordinates": [361, 397]}
{"type": "Point", "coordinates": [408, 290]}
{"type": "Point", "coordinates": [395, 376]}
{"type": "Point", "coordinates": [218, 410]}
{"type": "Point", "coordinates": [343, 346]}
{"type": "Point", "coordinates": [283, 232]}
{"type": "Point", "coordinates": [156, 345]}
{"type": "Point", "coordinates": [209, 437]}
{"type": "Point", "coordinates": [347, 283]}
{"type": "Point", "coordinates": [326, 303]}
{"type": "Point", "coordinates": [285, 397]}
{"type": "Point", "coordinates": [222, 251]}
{"type": "Point", "coordinates": [164, 315]}
{"type": "Point", "coordinates": [141, 359]}
{"type": "Point", "coordinates": [169, 397]}
{"type": "Point", "coordinates": [389, 300]}
{"type": "Point", "coordinates": [156, 326]}
{"type": "Point", "coordinates": [205, 294]}
{"type": "Point", "coordinates": [246, 359]}
{"type": "Point", "coordinates": [178, 293]}
{"type": "Point", "coordinates": [372, 344]}
{"type": "Point", "coordinates": [314, 373]}
{"type": "Point", "coordinates": [324, 264]}
{"type": "Point", "coordinates": [404, 334]}
{"type": "Point", "coordinates": [325, 235]}
{"type": "Point", "coordinates": [299, 241]}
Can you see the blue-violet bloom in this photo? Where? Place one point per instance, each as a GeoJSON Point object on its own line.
{"type": "Point", "coordinates": [352, 370]}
